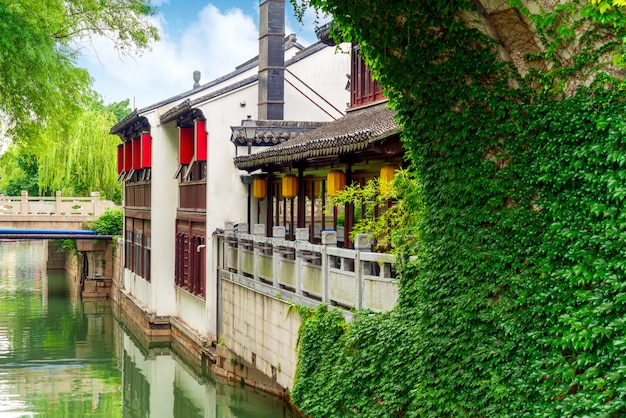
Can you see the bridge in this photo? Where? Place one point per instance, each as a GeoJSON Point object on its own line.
{"type": "Point", "coordinates": [40, 216]}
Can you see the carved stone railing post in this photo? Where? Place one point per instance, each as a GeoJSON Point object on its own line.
{"type": "Point", "coordinates": [278, 233]}
{"type": "Point", "coordinates": [258, 233]}
{"type": "Point", "coordinates": [98, 208]}
{"type": "Point", "coordinates": [242, 228]}
{"type": "Point", "coordinates": [329, 239]}
{"type": "Point", "coordinates": [24, 203]}
{"type": "Point", "coordinates": [57, 203]}
{"type": "Point", "coordinates": [361, 243]}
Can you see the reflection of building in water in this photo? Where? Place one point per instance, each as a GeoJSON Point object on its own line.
{"type": "Point", "coordinates": [61, 383]}
{"type": "Point", "coordinates": [156, 383]}
{"type": "Point", "coordinates": [136, 390]}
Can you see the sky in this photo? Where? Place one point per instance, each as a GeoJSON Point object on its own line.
{"type": "Point", "coordinates": [210, 36]}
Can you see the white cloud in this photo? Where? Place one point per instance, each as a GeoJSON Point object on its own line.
{"type": "Point", "coordinates": [215, 43]}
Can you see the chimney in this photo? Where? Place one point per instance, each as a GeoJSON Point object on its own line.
{"type": "Point", "coordinates": [271, 60]}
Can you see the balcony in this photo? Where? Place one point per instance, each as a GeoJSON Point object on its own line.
{"type": "Point", "coordinates": [192, 195]}
{"type": "Point", "coordinates": [138, 194]}
{"type": "Point", "coordinates": [308, 274]}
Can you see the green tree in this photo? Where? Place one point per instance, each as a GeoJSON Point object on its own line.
{"type": "Point", "coordinates": [77, 156]}
{"type": "Point", "coordinates": [512, 122]}
{"type": "Point", "coordinates": [39, 44]}
{"type": "Point", "coordinates": [74, 155]}
{"type": "Point", "coordinates": [19, 171]}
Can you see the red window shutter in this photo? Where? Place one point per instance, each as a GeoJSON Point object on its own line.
{"type": "Point", "coordinates": [200, 139]}
{"type": "Point", "coordinates": [146, 150]}
{"type": "Point", "coordinates": [128, 156]}
{"type": "Point", "coordinates": [120, 158]}
{"type": "Point", "coordinates": [185, 145]}
{"type": "Point", "coordinates": [136, 154]}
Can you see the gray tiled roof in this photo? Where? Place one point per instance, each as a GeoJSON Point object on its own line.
{"type": "Point", "coordinates": [355, 132]}
{"type": "Point", "coordinates": [272, 132]}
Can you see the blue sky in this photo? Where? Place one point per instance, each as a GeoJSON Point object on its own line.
{"type": "Point", "coordinates": [210, 36]}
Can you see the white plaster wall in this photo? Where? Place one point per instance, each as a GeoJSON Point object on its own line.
{"type": "Point", "coordinates": [226, 195]}
{"type": "Point", "coordinates": [163, 217]}
{"type": "Point", "coordinates": [234, 79]}
{"type": "Point", "coordinates": [139, 288]}
{"type": "Point", "coordinates": [191, 310]}
{"type": "Point", "coordinates": [325, 73]}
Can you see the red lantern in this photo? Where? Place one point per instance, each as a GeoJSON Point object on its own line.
{"type": "Point", "coordinates": [120, 158]}
{"type": "Point", "coordinates": [128, 156]}
{"type": "Point", "coordinates": [185, 145]}
{"type": "Point", "coordinates": [136, 154]}
{"type": "Point", "coordinates": [146, 150]}
{"type": "Point", "coordinates": [201, 140]}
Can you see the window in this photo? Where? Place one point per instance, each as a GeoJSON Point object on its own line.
{"type": "Point", "coordinates": [137, 247]}
{"type": "Point", "coordinates": [363, 89]}
{"type": "Point", "coordinates": [190, 263]}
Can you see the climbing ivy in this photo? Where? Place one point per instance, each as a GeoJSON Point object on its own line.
{"type": "Point", "coordinates": [384, 215]}
{"type": "Point", "coordinates": [516, 303]}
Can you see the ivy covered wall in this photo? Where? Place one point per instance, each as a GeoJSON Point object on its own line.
{"type": "Point", "coordinates": [512, 115]}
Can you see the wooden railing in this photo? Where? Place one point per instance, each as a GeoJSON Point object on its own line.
{"type": "Point", "coordinates": [138, 194]}
{"type": "Point", "coordinates": [300, 271]}
{"type": "Point", "coordinates": [53, 206]}
{"type": "Point", "coordinates": [192, 195]}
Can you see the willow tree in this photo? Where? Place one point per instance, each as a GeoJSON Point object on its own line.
{"type": "Point", "coordinates": [78, 157]}
{"type": "Point", "coordinates": [75, 155]}
{"type": "Point", "coordinates": [512, 117]}
{"type": "Point", "coordinates": [39, 44]}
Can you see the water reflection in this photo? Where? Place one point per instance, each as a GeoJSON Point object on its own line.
{"type": "Point", "coordinates": [63, 357]}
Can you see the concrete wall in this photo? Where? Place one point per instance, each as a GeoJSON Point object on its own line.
{"type": "Point", "coordinates": [55, 259]}
{"type": "Point", "coordinates": [260, 331]}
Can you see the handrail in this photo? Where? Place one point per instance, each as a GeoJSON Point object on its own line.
{"type": "Point", "coordinates": [57, 205]}
{"type": "Point", "coordinates": [319, 273]}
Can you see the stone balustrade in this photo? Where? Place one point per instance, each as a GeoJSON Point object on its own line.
{"type": "Point", "coordinates": [307, 273]}
{"type": "Point", "coordinates": [53, 206]}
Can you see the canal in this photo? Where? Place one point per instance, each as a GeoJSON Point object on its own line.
{"type": "Point", "coordinates": [65, 357]}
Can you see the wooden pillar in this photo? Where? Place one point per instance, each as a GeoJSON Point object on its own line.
{"type": "Point", "coordinates": [269, 204]}
{"type": "Point", "coordinates": [348, 213]}
{"type": "Point", "coordinates": [301, 199]}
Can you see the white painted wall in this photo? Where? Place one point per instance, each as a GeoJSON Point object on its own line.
{"type": "Point", "coordinates": [227, 196]}
{"type": "Point", "coordinates": [163, 218]}
{"type": "Point", "coordinates": [325, 73]}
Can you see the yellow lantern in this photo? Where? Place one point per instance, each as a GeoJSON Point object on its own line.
{"type": "Point", "coordinates": [259, 188]}
{"type": "Point", "coordinates": [335, 182]}
{"type": "Point", "coordinates": [387, 173]}
{"type": "Point", "coordinates": [290, 186]}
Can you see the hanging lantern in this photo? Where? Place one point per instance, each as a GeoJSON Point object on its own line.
{"type": "Point", "coordinates": [259, 188]}
{"type": "Point", "coordinates": [200, 139]}
{"type": "Point", "coordinates": [120, 158]}
{"type": "Point", "coordinates": [387, 173]}
{"type": "Point", "coordinates": [137, 154]}
{"type": "Point", "coordinates": [335, 182]}
{"type": "Point", "coordinates": [128, 156]}
{"type": "Point", "coordinates": [290, 186]}
{"type": "Point", "coordinates": [146, 150]}
{"type": "Point", "coordinates": [185, 145]}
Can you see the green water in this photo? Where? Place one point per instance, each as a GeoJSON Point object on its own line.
{"type": "Point", "coordinates": [63, 357]}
